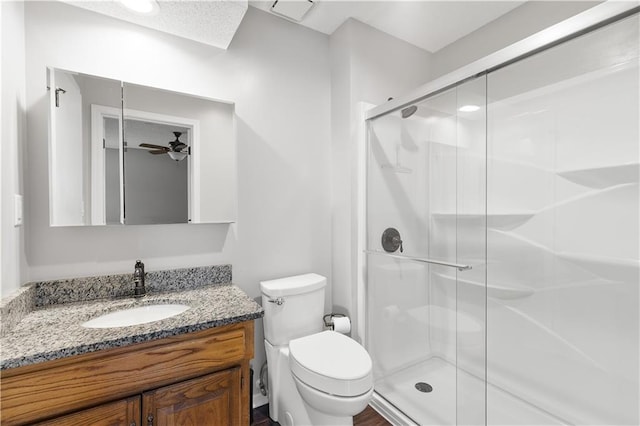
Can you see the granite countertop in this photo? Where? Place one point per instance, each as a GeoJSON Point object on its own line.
{"type": "Point", "coordinates": [54, 331]}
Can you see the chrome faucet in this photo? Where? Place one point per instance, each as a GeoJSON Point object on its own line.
{"type": "Point", "coordinates": [138, 280]}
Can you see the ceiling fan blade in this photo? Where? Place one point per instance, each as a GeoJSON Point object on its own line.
{"type": "Point", "coordinates": [148, 145]}
{"type": "Point", "coordinates": [158, 151]}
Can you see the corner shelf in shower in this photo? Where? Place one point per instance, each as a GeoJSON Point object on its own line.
{"type": "Point", "coordinates": [498, 291]}
{"type": "Point", "coordinates": [503, 221]}
{"type": "Point", "coordinates": [605, 267]}
{"type": "Point", "coordinates": [608, 268]}
{"type": "Point", "coordinates": [603, 177]}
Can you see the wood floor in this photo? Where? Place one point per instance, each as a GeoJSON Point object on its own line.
{"type": "Point", "coordinates": [369, 417]}
{"type": "Point", "coordinates": [261, 416]}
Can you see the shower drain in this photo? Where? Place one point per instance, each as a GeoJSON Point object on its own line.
{"type": "Point", "coordinates": [424, 387]}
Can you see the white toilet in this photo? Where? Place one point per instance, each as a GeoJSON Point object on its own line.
{"type": "Point", "coordinates": [315, 377]}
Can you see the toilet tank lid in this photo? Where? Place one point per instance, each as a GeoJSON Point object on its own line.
{"type": "Point", "coordinates": [288, 286]}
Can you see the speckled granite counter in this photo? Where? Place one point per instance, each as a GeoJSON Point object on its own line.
{"type": "Point", "coordinates": [55, 331]}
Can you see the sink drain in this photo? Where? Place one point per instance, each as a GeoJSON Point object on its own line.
{"type": "Point", "coordinates": [424, 387]}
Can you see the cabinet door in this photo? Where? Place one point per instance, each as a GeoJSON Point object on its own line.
{"type": "Point", "coordinates": [123, 412]}
{"type": "Point", "coordinates": [210, 400]}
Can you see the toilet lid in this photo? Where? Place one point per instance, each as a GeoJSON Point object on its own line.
{"type": "Point", "coordinates": [331, 362]}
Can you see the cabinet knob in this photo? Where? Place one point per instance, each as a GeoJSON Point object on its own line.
{"type": "Point", "coordinates": [132, 424]}
{"type": "Point", "coordinates": [150, 420]}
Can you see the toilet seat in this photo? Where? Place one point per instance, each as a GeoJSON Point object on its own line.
{"type": "Point", "coordinates": [332, 363]}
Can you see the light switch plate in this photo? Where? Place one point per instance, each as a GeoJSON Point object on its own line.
{"type": "Point", "coordinates": [17, 210]}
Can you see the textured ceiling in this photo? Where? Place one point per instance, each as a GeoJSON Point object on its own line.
{"type": "Point", "coordinates": [213, 22]}
{"type": "Point", "coordinates": [428, 24]}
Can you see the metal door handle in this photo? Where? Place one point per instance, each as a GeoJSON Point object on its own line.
{"type": "Point", "coordinates": [459, 267]}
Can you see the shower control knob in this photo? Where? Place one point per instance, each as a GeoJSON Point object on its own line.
{"type": "Point", "coordinates": [391, 240]}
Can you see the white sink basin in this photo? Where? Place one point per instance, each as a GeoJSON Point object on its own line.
{"type": "Point", "coordinates": [135, 316]}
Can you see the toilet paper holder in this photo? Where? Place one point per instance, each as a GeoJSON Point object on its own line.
{"type": "Point", "coordinates": [337, 322]}
{"type": "Point", "coordinates": [328, 317]}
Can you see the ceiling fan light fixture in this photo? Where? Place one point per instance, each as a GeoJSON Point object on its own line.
{"type": "Point", "coordinates": [177, 155]}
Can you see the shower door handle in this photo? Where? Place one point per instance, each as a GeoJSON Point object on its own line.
{"type": "Point", "coordinates": [458, 266]}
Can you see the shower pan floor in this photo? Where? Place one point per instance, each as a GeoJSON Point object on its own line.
{"type": "Point", "coordinates": [438, 407]}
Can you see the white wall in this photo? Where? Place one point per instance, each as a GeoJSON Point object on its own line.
{"type": "Point", "coordinates": [278, 75]}
{"type": "Point", "coordinates": [521, 22]}
{"type": "Point", "coordinates": [367, 65]}
{"type": "Point", "coordinates": [156, 188]}
{"type": "Point", "coordinates": [106, 93]}
{"type": "Point", "coordinates": [66, 175]}
{"type": "Point", "coordinates": [12, 134]}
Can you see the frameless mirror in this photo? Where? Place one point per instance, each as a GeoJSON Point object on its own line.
{"type": "Point", "coordinates": [121, 153]}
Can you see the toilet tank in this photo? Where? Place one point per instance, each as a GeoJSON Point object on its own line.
{"type": "Point", "coordinates": [297, 307]}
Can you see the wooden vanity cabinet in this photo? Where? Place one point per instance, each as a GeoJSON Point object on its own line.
{"type": "Point", "coordinates": [124, 412]}
{"type": "Point", "coordinates": [195, 378]}
{"type": "Point", "coordinates": [208, 400]}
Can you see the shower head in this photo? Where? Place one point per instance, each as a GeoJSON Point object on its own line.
{"type": "Point", "coordinates": [409, 111]}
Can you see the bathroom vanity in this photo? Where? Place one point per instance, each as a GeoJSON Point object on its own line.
{"type": "Point", "coordinates": [201, 376]}
{"type": "Point", "coordinates": [192, 368]}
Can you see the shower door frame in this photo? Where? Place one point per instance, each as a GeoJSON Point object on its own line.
{"type": "Point", "coordinates": [582, 23]}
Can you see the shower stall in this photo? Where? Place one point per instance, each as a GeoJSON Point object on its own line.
{"type": "Point", "coordinates": [502, 237]}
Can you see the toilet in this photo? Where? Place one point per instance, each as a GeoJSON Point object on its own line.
{"type": "Point", "coordinates": [315, 377]}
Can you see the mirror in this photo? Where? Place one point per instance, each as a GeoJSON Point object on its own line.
{"type": "Point", "coordinates": [122, 153]}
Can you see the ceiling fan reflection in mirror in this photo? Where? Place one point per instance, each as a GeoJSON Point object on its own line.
{"type": "Point", "coordinates": [177, 150]}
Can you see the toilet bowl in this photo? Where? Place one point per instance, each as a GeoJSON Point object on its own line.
{"type": "Point", "coordinates": [315, 377]}
{"type": "Point", "coordinates": [331, 409]}
{"type": "Point", "coordinates": [333, 376]}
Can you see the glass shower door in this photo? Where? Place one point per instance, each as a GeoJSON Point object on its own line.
{"type": "Point", "coordinates": [425, 224]}
{"type": "Point", "coordinates": [563, 164]}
